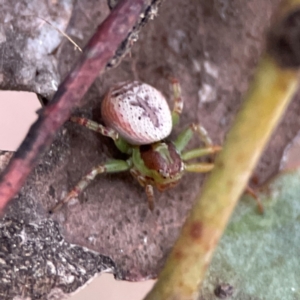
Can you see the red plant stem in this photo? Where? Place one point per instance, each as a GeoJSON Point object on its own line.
{"type": "Point", "coordinates": [96, 55]}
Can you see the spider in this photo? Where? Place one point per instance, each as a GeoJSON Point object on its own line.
{"type": "Point", "coordinates": [138, 119]}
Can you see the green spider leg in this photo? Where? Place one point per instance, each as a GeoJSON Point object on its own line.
{"type": "Point", "coordinates": [198, 167]}
{"type": "Point", "coordinates": [178, 102]}
{"type": "Point", "coordinates": [182, 141]}
{"type": "Point", "coordinates": [111, 166]}
{"type": "Point", "coordinates": [253, 194]}
{"type": "Point", "coordinates": [121, 144]}
{"type": "Point", "coordinates": [150, 196]}
{"type": "Point", "coordinates": [186, 135]}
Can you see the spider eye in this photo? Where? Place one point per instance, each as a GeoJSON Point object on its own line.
{"type": "Point", "coordinates": [163, 173]}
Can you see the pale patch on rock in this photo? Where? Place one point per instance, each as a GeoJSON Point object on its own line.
{"type": "Point", "coordinates": [211, 69]}
{"type": "Point", "coordinates": [206, 93]}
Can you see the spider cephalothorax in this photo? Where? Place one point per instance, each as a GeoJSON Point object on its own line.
{"type": "Point", "coordinates": [138, 119]}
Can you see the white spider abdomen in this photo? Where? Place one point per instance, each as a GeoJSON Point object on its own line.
{"type": "Point", "coordinates": [138, 112]}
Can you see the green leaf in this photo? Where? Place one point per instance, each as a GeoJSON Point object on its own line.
{"type": "Point", "coordinates": [259, 254]}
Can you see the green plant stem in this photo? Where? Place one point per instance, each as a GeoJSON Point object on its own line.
{"type": "Point", "coordinates": [271, 91]}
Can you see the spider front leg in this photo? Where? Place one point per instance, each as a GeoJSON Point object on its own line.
{"type": "Point", "coordinates": [198, 167]}
{"type": "Point", "coordinates": [111, 166]}
{"type": "Point", "coordinates": [207, 167]}
{"type": "Point", "coordinates": [186, 135]}
{"type": "Point", "coordinates": [183, 140]}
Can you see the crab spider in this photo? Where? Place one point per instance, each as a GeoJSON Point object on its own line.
{"type": "Point", "coordinates": [138, 119]}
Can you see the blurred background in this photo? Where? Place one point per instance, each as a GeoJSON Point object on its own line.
{"type": "Point", "coordinates": [17, 112]}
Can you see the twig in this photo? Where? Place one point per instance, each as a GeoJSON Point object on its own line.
{"type": "Point", "coordinates": [274, 85]}
{"type": "Point", "coordinates": [60, 31]}
{"type": "Point", "coordinates": [96, 55]}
